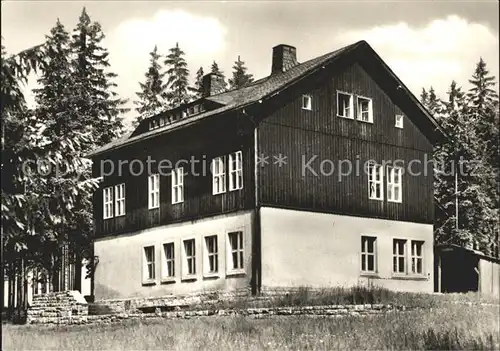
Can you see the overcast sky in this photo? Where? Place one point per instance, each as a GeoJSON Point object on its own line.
{"type": "Point", "coordinates": [425, 43]}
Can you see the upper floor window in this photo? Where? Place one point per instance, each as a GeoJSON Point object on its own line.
{"type": "Point", "coordinates": [236, 171]}
{"type": "Point", "coordinates": [108, 202]}
{"type": "Point", "coordinates": [120, 199]}
{"type": "Point", "coordinates": [149, 263]}
{"type": "Point", "coordinates": [365, 110]}
{"type": "Point", "coordinates": [218, 176]}
{"type": "Point", "coordinates": [235, 251]}
{"type": "Point", "coordinates": [394, 180]}
{"type": "Point", "coordinates": [306, 102]}
{"type": "Point", "coordinates": [368, 254]}
{"type": "Point", "coordinates": [154, 191]}
{"type": "Point", "coordinates": [344, 105]}
{"type": "Point", "coordinates": [375, 176]}
{"type": "Point", "coordinates": [399, 121]}
{"type": "Point", "coordinates": [178, 185]}
{"type": "Point", "coordinates": [417, 256]}
{"type": "Point", "coordinates": [399, 255]}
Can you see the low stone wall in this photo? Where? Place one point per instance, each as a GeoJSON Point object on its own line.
{"type": "Point", "coordinates": [63, 306]}
{"type": "Point", "coordinates": [332, 310]}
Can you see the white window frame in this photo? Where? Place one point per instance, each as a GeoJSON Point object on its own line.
{"type": "Point", "coordinates": [239, 250]}
{"type": "Point", "coordinates": [211, 256]}
{"type": "Point", "coordinates": [236, 170]}
{"type": "Point", "coordinates": [373, 181]}
{"type": "Point", "coordinates": [365, 253]}
{"type": "Point", "coordinates": [120, 200]}
{"type": "Point", "coordinates": [350, 108]}
{"type": "Point", "coordinates": [307, 102]}
{"type": "Point", "coordinates": [218, 175]}
{"type": "Point", "coordinates": [399, 121]}
{"type": "Point", "coordinates": [153, 191]}
{"type": "Point", "coordinates": [359, 112]}
{"type": "Point", "coordinates": [177, 176]}
{"type": "Point", "coordinates": [146, 277]}
{"type": "Point", "coordinates": [168, 263]}
{"type": "Point", "coordinates": [415, 257]}
{"type": "Point", "coordinates": [186, 259]}
{"type": "Point", "coordinates": [107, 199]}
{"type": "Point", "coordinates": [396, 255]}
{"type": "Point", "coordinates": [391, 184]}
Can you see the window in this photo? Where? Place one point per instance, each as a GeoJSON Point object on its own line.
{"type": "Point", "coordinates": [235, 259]}
{"type": "Point", "coordinates": [189, 257]}
{"type": "Point", "coordinates": [417, 257]}
{"type": "Point", "coordinates": [177, 185]}
{"type": "Point", "coordinates": [344, 105]}
{"type": "Point", "coordinates": [169, 261]}
{"type": "Point", "coordinates": [368, 254]}
{"type": "Point", "coordinates": [399, 256]}
{"type": "Point", "coordinates": [108, 202]}
{"type": "Point", "coordinates": [399, 121]}
{"type": "Point", "coordinates": [162, 121]}
{"type": "Point", "coordinates": [235, 171]}
{"type": "Point", "coordinates": [218, 176]}
{"type": "Point", "coordinates": [394, 175]}
{"type": "Point", "coordinates": [306, 102]}
{"type": "Point", "coordinates": [212, 256]}
{"type": "Point", "coordinates": [375, 176]}
{"type": "Point", "coordinates": [154, 191]}
{"type": "Point", "coordinates": [364, 108]}
{"type": "Point", "coordinates": [149, 263]}
{"type": "Point", "coordinates": [120, 199]}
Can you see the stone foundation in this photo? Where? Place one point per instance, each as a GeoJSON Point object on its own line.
{"type": "Point", "coordinates": [64, 305]}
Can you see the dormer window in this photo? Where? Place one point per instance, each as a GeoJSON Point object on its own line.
{"type": "Point", "coordinates": [191, 110]}
{"type": "Point", "coordinates": [344, 105]}
{"type": "Point", "coordinates": [162, 121]}
{"type": "Point", "coordinates": [399, 121]}
{"type": "Point", "coordinates": [184, 114]}
{"type": "Point", "coordinates": [365, 110]}
{"type": "Point", "coordinates": [306, 102]}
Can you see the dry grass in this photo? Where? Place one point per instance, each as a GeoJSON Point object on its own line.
{"type": "Point", "coordinates": [453, 326]}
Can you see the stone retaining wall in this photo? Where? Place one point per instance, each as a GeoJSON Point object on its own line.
{"type": "Point", "coordinates": [332, 310]}
{"type": "Point", "coordinates": [57, 306]}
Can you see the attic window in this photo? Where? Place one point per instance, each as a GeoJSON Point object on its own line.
{"type": "Point", "coordinates": [191, 110]}
{"type": "Point", "coordinates": [399, 121]}
{"type": "Point", "coordinates": [184, 114]}
{"type": "Point", "coordinates": [162, 121]}
{"type": "Point", "coordinates": [365, 110]}
{"type": "Point", "coordinates": [306, 102]}
{"type": "Point", "coordinates": [344, 105]}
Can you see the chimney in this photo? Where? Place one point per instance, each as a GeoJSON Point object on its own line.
{"type": "Point", "coordinates": [284, 58]}
{"type": "Point", "coordinates": [212, 84]}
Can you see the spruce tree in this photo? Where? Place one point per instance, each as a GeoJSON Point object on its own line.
{"type": "Point", "coordinates": [99, 104]}
{"type": "Point", "coordinates": [240, 77]}
{"type": "Point", "coordinates": [178, 74]}
{"type": "Point", "coordinates": [219, 74]}
{"type": "Point", "coordinates": [153, 91]}
{"type": "Point", "coordinates": [197, 89]}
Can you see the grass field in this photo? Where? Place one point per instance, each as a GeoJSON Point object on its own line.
{"type": "Point", "coordinates": [453, 326]}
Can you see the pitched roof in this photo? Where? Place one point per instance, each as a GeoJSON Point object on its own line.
{"type": "Point", "coordinates": [247, 95]}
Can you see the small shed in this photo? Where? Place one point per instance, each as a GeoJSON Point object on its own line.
{"type": "Point", "coordinates": [459, 269]}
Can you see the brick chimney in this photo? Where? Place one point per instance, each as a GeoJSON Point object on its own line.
{"type": "Point", "coordinates": [212, 84]}
{"type": "Point", "coordinates": [284, 58]}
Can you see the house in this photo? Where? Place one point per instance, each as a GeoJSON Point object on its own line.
{"type": "Point", "coordinates": [460, 269]}
{"type": "Point", "coordinates": [250, 188]}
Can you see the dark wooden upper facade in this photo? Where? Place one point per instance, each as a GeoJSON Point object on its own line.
{"type": "Point", "coordinates": [284, 127]}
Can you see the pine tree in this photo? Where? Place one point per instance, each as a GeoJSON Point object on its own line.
{"type": "Point", "coordinates": [99, 105]}
{"type": "Point", "coordinates": [178, 74]}
{"type": "Point", "coordinates": [240, 77]}
{"type": "Point", "coordinates": [219, 74]}
{"type": "Point", "coordinates": [197, 89]}
{"type": "Point", "coordinates": [153, 91]}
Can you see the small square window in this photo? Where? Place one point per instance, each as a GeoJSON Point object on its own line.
{"type": "Point", "coordinates": [399, 121]}
{"type": "Point", "coordinates": [306, 102]}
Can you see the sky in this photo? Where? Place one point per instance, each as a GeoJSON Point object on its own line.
{"type": "Point", "coordinates": [426, 43]}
